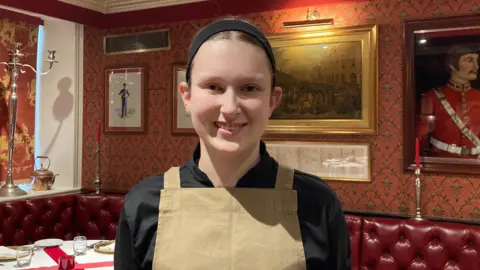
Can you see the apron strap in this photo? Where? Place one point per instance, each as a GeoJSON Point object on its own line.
{"type": "Point", "coordinates": [284, 177]}
{"type": "Point", "coordinates": [171, 178]}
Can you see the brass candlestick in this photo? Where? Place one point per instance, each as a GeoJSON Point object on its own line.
{"type": "Point", "coordinates": [97, 175]}
{"type": "Point", "coordinates": [15, 66]}
{"type": "Point", "coordinates": [418, 191]}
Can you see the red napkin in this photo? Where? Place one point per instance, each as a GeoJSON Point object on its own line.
{"type": "Point", "coordinates": [56, 252]}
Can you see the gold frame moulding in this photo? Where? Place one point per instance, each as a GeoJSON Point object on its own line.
{"type": "Point", "coordinates": [367, 35]}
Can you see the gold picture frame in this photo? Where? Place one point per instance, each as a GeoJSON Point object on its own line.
{"type": "Point", "coordinates": [317, 76]}
{"type": "Point", "coordinates": [334, 161]}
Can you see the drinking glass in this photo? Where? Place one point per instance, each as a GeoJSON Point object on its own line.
{"type": "Point", "coordinates": [66, 262]}
{"type": "Point", "coordinates": [24, 256]}
{"type": "Point", "coordinates": [80, 245]}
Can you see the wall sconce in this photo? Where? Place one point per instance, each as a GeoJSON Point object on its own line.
{"type": "Point", "coordinates": [310, 21]}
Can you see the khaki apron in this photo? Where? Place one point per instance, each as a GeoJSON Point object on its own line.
{"type": "Point", "coordinates": [228, 228]}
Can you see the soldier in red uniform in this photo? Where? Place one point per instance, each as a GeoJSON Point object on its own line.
{"type": "Point", "coordinates": [449, 121]}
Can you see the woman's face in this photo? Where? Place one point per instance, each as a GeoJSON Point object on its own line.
{"type": "Point", "coordinates": [230, 99]}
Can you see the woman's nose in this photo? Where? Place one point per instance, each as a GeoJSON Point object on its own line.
{"type": "Point", "coordinates": [229, 103]}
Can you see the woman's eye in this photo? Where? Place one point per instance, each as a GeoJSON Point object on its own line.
{"type": "Point", "coordinates": [213, 87]}
{"type": "Point", "coordinates": [251, 88]}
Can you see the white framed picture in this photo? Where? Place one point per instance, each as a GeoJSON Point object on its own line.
{"type": "Point", "coordinates": [181, 121]}
{"type": "Point", "coordinates": [125, 99]}
{"type": "Point", "coordinates": [327, 160]}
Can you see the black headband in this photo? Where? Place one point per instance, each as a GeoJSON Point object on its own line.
{"type": "Point", "coordinates": [229, 25]}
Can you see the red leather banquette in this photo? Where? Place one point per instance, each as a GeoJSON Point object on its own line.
{"type": "Point", "coordinates": [377, 242]}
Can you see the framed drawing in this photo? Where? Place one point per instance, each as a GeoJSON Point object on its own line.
{"type": "Point", "coordinates": [330, 161]}
{"type": "Point", "coordinates": [329, 81]}
{"type": "Point", "coordinates": [125, 99]}
{"type": "Point", "coordinates": [441, 95]}
{"type": "Point", "coordinates": [181, 121]}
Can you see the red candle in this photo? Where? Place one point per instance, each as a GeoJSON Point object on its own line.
{"type": "Point", "coordinates": [417, 153]}
{"type": "Point", "coordinates": [99, 131]}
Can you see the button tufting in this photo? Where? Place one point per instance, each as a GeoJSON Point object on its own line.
{"type": "Point", "coordinates": [35, 219]}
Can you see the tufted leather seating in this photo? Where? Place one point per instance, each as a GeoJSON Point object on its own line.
{"type": "Point", "coordinates": [26, 221]}
{"type": "Point", "coordinates": [409, 244]}
{"type": "Point", "coordinates": [376, 243]}
{"type": "Point", "coordinates": [354, 224]}
{"type": "Point", "coordinates": [97, 215]}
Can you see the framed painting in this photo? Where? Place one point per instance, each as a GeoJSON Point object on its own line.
{"type": "Point", "coordinates": [181, 121]}
{"type": "Point", "coordinates": [441, 95]}
{"type": "Point", "coordinates": [327, 160]}
{"type": "Point", "coordinates": [125, 99]}
{"type": "Point", "coordinates": [329, 81]}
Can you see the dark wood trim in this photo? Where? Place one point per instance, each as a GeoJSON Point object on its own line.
{"type": "Point", "coordinates": [58, 9]}
{"type": "Point", "coordinates": [398, 216]}
{"type": "Point", "coordinates": [15, 16]}
{"type": "Point", "coordinates": [91, 191]}
{"type": "Point", "coordinates": [449, 166]}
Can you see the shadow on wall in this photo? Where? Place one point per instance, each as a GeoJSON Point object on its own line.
{"type": "Point", "coordinates": [62, 107]}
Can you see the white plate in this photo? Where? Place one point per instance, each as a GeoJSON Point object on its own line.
{"type": "Point", "coordinates": [52, 242]}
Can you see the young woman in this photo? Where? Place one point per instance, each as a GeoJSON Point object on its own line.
{"type": "Point", "coordinates": [231, 206]}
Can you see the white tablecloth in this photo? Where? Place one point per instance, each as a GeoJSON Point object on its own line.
{"type": "Point", "coordinates": [42, 259]}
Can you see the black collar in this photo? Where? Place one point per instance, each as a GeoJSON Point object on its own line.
{"type": "Point", "coordinates": [261, 175]}
{"type": "Point", "coordinates": [459, 86]}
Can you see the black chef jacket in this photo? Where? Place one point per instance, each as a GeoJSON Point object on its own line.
{"type": "Point", "coordinates": [323, 227]}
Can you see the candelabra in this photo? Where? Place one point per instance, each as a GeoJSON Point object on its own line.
{"type": "Point", "coordinates": [97, 174]}
{"type": "Point", "coordinates": [9, 189]}
{"type": "Point", "coordinates": [418, 191]}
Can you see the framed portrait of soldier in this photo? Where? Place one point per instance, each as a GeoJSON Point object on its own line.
{"type": "Point", "coordinates": [125, 100]}
{"type": "Point", "coordinates": [442, 95]}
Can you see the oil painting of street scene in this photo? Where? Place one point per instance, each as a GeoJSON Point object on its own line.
{"type": "Point", "coordinates": [319, 81]}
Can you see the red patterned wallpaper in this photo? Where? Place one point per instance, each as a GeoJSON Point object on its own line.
{"type": "Point", "coordinates": [27, 34]}
{"type": "Point", "coordinates": [128, 158]}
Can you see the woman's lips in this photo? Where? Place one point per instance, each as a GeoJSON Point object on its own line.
{"type": "Point", "coordinates": [229, 129]}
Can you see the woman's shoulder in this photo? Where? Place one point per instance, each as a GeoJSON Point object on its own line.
{"type": "Point", "coordinates": [150, 187]}
{"type": "Point", "coordinates": [310, 186]}
{"type": "Point", "coordinates": [314, 187]}
{"type": "Point", "coordinates": [153, 182]}
{"type": "Point", "coordinates": [144, 193]}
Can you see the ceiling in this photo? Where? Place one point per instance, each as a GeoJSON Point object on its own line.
{"type": "Point", "coordinates": [114, 6]}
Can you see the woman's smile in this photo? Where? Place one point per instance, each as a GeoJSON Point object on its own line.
{"type": "Point", "coordinates": [229, 129]}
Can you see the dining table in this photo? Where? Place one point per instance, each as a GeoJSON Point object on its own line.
{"type": "Point", "coordinates": [46, 258]}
